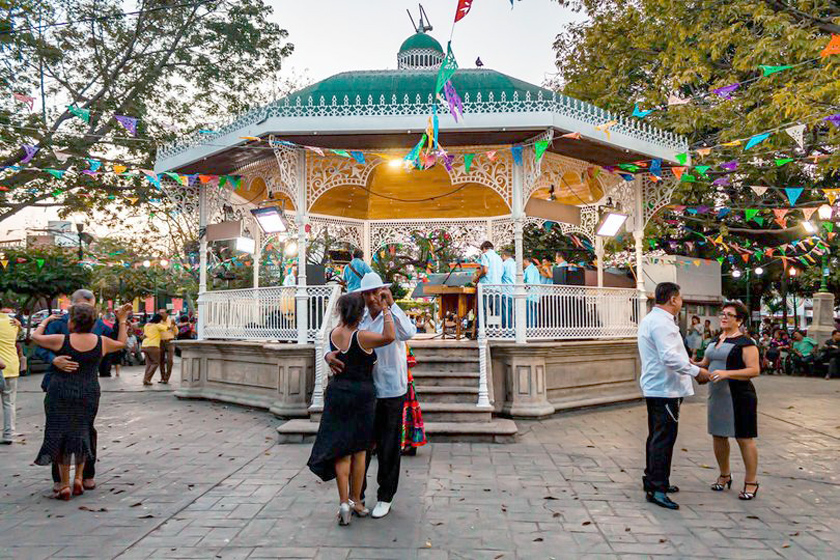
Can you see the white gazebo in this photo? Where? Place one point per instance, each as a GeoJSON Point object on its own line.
{"type": "Point", "coordinates": [332, 156]}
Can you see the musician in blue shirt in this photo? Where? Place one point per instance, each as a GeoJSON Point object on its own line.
{"type": "Point", "coordinates": [354, 271]}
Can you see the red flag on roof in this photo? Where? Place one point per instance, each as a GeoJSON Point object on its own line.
{"type": "Point", "coordinates": [463, 9]}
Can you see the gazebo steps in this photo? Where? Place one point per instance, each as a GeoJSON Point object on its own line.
{"type": "Point", "coordinates": [498, 430]}
{"type": "Point", "coordinates": [446, 394]}
{"type": "Point", "coordinates": [454, 412]}
{"type": "Point", "coordinates": [444, 379]}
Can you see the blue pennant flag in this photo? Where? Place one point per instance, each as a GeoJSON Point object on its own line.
{"type": "Point", "coordinates": [517, 154]}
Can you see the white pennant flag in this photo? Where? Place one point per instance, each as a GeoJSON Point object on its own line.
{"type": "Point", "coordinates": [62, 156]}
{"type": "Point", "coordinates": [759, 190]}
{"type": "Point", "coordinates": [798, 134]}
{"type": "Point", "coordinates": [674, 99]}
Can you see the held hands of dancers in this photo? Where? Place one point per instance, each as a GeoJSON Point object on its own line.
{"type": "Point", "coordinates": [703, 377]}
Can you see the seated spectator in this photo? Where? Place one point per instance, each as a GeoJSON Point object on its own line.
{"type": "Point", "coordinates": [831, 353]}
{"type": "Point", "coordinates": [803, 351]}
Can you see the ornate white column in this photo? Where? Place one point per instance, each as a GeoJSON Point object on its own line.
{"type": "Point", "coordinates": [257, 255]}
{"type": "Point", "coordinates": [202, 258]}
{"type": "Point", "coordinates": [301, 219]}
{"type": "Point", "coordinates": [639, 236]}
{"type": "Point", "coordinates": [599, 253]}
{"type": "Point", "coordinates": [366, 242]}
{"type": "Point", "coordinates": [518, 215]}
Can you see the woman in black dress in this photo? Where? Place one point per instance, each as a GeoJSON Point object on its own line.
{"type": "Point", "coordinates": [73, 397]}
{"type": "Point", "coordinates": [346, 430]}
{"type": "Point", "coordinates": [733, 405]}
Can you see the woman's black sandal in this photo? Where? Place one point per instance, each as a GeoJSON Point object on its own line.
{"type": "Point", "coordinates": [727, 483]}
{"type": "Point", "coordinates": [744, 495]}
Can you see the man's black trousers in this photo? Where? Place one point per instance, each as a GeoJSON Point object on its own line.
{"type": "Point", "coordinates": [663, 422]}
{"type": "Point", "coordinates": [388, 439]}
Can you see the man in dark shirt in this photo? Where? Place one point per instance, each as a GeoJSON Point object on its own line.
{"type": "Point", "coordinates": [64, 363]}
{"type": "Point", "coordinates": [832, 352]}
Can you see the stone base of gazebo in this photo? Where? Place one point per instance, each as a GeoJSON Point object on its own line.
{"type": "Point", "coordinates": [526, 381]}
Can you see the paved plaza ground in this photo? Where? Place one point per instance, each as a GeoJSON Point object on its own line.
{"type": "Point", "coordinates": [195, 479]}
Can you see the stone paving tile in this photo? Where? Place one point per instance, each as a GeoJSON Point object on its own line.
{"type": "Point", "coordinates": [191, 479]}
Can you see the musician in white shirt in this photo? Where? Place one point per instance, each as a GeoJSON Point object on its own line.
{"type": "Point", "coordinates": [665, 380]}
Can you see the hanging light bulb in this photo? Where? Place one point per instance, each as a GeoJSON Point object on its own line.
{"type": "Point", "coordinates": [736, 273]}
{"type": "Point", "coordinates": [759, 271]}
{"type": "Point", "coordinates": [792, 271]}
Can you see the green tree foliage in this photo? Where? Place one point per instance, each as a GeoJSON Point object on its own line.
{"type": "Point", "coordinates": [38, 276]}
{"type": "Point", "coordinates": [165, 65]}
{"type": "Point", "coordinates": [642, 52]}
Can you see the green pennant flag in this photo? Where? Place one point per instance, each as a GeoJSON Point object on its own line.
{"type": "Point", "coordinates": [652, 244]}
{"type": "Point", "coordinates": [447, 69]}
{"type": "Point", "coordinates": [720, 260]}
{"type": "Point", "coordinates": [540, 146]}
{"type": "Point", "coordinates": [629, 167]}
{"type": "Point", "coordinates": [174, 176]}
{"type": "Point", "coordinates": [782, 161]}
{"type": "Point", "coordinates": [223, 179]}
{"type": "Point", "coordinates": [768, 70]}
{"type": "Point", "coordinates": [759, 220]}
{"type": "Point", "coordinates": [682, 158]}
{"type": "Point", "coordinates": [829, 226]}
{"type": "Point", "coordinates": [236, 181]}
{"type": "Point", "coordinates": [701, 169]}
{"type": "Point", "coordinates": [83, 114]}
{"type": "Point", "coordinates": [750, 213]}
{"type": "Point", "coordinates": [57, 173]}
{"type": "Point", "coordinates": [688, 178]}
{"type": "Point", "coordinates": [468, 159]}
{"type": "Point", "coordinates": [342, 153]}
{"type": "Point", "coordinates": [40, 263]}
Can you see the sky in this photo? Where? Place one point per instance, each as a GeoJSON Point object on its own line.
{"type": "Point", "coordinates": [333, 36]}
{"type": "Point", "coordinates": [343, 35]}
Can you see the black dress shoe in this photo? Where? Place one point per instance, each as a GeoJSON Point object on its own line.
{"type": "Point", "coordinates": [673, 489]}
{"type": "Point", "coordinates": [662, 500]}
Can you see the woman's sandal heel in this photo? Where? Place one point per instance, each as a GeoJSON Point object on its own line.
{"type": "Point", "coordinates": [727, 483]}
{"type": "Point", "coordinates": [744, 495]}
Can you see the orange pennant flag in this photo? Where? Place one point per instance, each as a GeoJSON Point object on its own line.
{"type": "Point", "coordinates": [572, 135]}
{"type": "Point", "coordinates": [703, 152]}
{"type": "Point", "coordinates": [780, 212]}
{"type": "Point", "coordinates": [119, 168]}
{"type": "Point", "coordinates": [746, 257]}
{"type": "Point", "coordinates": [831, 235]}
{"type": "Point", "coordinates": [207, 178]}
{"type": "Point", "coordinates": [678, 171]}
{"type": "Point", "coordinates": [833, 47]}
{"type": "Point", "coordinates": [782, 222]}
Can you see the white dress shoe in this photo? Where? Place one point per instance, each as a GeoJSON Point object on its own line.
{"type": "Point", "coordinates": [381, 510]}
{"type": "Point", "coordinates": [344, 514]}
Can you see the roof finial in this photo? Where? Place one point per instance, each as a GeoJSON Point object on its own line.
{"type": "Point", "coordinates": [424, 25]}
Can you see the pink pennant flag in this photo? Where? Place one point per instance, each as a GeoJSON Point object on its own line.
{"type": "Point", "coordinates": [491, 155]}
{"type": "Point", "coordinates": [674, 99]}
{"type": "Point", "coordinates": [572, 135]}
{"type": "Point", "coordinates": [315, 149]}
{"type": "Point", "coordinates": [129, 123]}
{"type": "Point", "coordinates": [759, 190]}
{"type": "Point", "coordinates": [808, 212]}
{"type": "Point", "coordinates": [29, 100]}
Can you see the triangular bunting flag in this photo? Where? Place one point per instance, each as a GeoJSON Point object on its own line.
{"type": "Point", "coordinates": [129, 123]}
{"type": "Point", "coordinates": [703, 152]}
{"type": "Point", "coordinates": [793, 195]}
{"type": "Point", "coordinates": [832, 195]}
{"type": "Point", "coordinates": [833, 47]}
{"type": "Point", "coordinates": [682, 158]}
{"type": "Point", "coordinates": [780, 212]}
{"type": "Point", "coordinates": [491, 155]}
{"type": "Point", "coordinates": [119, 168]}
{"type": "Point", "coordinates": [29, 100]}
{"type": "Point", "coordinates": [759, 220]}
{"type": "Point", "coordinates": [605, 128]}
{"type": "Point", "coordinates": [783, 161]}
{"type": "Point", "coordinates": [83, 114]}
{"type": "Point", "coordinates": [674, 99]}
{"type": "Point", "coordinates": [759, 190]}
{"type": "Point", "coordinates": [517, 154]}
{"type": "Point", "coordinates": [540, 146]}
{"type": "Point", "coordinates": [57, 173]}
{"type": "Point", "coordinates": [678, 171]}
{"type": "Point", "coordinates": [40, 263]}
{"type": "Point", "coordinates": [315, 149]}
{"type": "Point", "coordinates": [701, 169]}
{"type": "Point", "coordinates": [750, 213]}
{"type": "Point", "coordinates": [468, 159]}
{"type": "Point", "coordinates": [358, 156]}
{"type": "Point", "coordinates": [797, 132]}
{"type": "Point", "coordinates": [342, 153]}
{"type": "Point", "coordinates": [640, 113]}
{"type": "Point", "coordinates": [808, 212]}
{"type": "Point", "coordinates": [768, 70]}
{"type": "Point", "coordinates": [572, 135]}
{"type": "Point", "coordinates": [757, 139]}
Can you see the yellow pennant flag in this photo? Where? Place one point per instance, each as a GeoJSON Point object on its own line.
{"type": "Point", "coordinates": [132, 199]}
{"type": "Point", "coordinates": [4, 262]}
{"type": "Point", "coordinates": [718, 240]}
{"type": "Point", "coordinates": [605, 128]}
{"type": "Point", "coordinates": [119, 168]}
{"type": "Point", "coordinates": [831, 194]}
{"type": "Point", "coordinates": [733, 143]}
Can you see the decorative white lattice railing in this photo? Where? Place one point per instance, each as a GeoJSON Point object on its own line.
{"type": "Point", "coordinates": [263, 313]}
{"type": "Point", "coordinates": [556, 312]}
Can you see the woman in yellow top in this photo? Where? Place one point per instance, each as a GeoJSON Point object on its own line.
{"type": "Point", "coordinates": [151, 346]}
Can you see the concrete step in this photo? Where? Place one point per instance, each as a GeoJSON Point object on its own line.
{"type": "Point", "coordinates": [446, 394]}
{"type": "Point", "coordinates": [454, 412]}
{"type": "Point", "coordinates": [445, 379]}
{"type": "Point", "coordinates": [499, 430]}
{"type": "Point", "coordinates": [446, 365]}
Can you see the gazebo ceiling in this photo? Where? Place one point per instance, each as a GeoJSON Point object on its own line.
{"type": "Point", "coordinates": [394, 194]}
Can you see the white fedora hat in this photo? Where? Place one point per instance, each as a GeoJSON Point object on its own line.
{"type": "Point", "coordinates": [370, 281]}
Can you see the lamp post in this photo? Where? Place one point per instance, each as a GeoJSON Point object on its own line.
{"type": "Point", "coordinates": [825, 211]}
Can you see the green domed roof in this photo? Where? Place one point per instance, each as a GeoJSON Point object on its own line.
{"type": "Point", "coordinates": [420, 41]}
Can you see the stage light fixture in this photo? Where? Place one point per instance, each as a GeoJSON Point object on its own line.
{"type": "Point", "coordinates": [611, 224]}
{"type": "Point", "coordinates": [245, 244]}
{"type": "Point", "coordinates": [271, 219]}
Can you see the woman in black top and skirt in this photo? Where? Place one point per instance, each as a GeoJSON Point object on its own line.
{"type": "Point", "coordinates": [73, 397]}
{"type": "Point", "coordinates": [346, 430]}
{"type": "Point", "coordinates": [733, 405]}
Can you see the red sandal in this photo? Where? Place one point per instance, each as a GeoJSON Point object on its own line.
{"type": "Point", "coordinates": [78, 488]}
{"type": "Point", "coordinates": [64, 494]}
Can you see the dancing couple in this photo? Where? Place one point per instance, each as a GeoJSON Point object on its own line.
{"type": "Point", "coordinates": [364, 400]}
{"type": "Point", "coordinates": [729, 362]}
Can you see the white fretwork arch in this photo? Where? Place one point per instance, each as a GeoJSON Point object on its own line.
{"type": "Point", "coordinates": [496, 174]}
{"type": "Point", "coordinates": [347, 231]}
{"type": "Point", "coordinates": [328, 172]}
{"type": "Point", "coordinates": [464, 232]}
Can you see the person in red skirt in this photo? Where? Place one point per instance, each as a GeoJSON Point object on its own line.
{"type": "Point", "coordinates": [413, 434]}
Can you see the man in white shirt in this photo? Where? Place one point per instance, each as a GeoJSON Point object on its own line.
{"type": "Point", "coordinates": [390, 379]}
{"type": "Point", "coordinates": [666, 379]}
{"type": "Point", "coordinates": [490, 271]}
{"type": "Point", "coordinates": [508, 277]}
